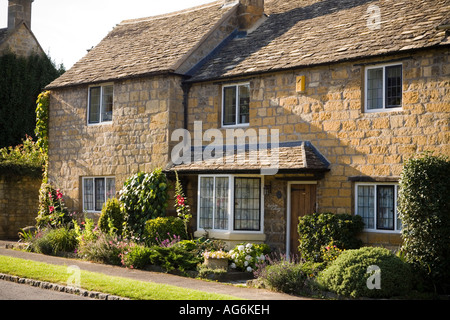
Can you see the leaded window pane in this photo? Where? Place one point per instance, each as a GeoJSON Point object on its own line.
{"type": "Point", "coordinates": [221, 200]}
{"type": "Point", "coordinates": [375, 89]}
{"type": "Point", "coordinates": [366, 208]}
{"type": "Point", "coordinates": [385, 207]}
{"type": "Point", "coordinates": [247, 202]}
{"type": "Point", "coordinates": [206, 202]}
{"type": "Point", "coordinates": [393, 86]}
{"type": "Point", "coordinates": [99, 193]}
{"type": "Point", "coordinates": [88, 194]}
{"type": "Point", "coordinates": [229, 106]}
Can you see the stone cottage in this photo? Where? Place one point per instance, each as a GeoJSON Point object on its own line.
{"type": "Point", "coordinates": [17, 37]}
{"type": "Point", "coordinates": [268, 110]}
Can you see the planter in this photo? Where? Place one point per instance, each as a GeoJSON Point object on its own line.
{"type": "Point", "coordinates": [216, 263]}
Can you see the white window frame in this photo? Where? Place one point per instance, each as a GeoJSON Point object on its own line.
{"type": "Point", "coordinates": [231, 202]}
{"type": "Point", "coordinates": [236, 124]}
{"type": "Point", "coordinates": [366, 87]}
{"type": "Point", "coordinates": [83, 195]}
{"type": "Point", "coordinates": [101, 121]}
{"type": "Point", "coordinates": [375, 185]}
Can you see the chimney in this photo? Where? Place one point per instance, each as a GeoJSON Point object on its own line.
{"type": "Point", "coordinates": [249, 12]}
{"type": "Point", "coordinates": [19, 11]}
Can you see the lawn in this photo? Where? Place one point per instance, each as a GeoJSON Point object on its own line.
{"type": "Point", "coordinates": [92, 281]}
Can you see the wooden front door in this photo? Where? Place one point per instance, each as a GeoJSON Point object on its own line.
{"type": "Point", "coordinates": [303, 202]}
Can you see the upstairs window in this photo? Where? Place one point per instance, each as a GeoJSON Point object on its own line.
{"type": "Point", "coordinates": [235, 105]}
{"type": "Point", "coordinates": [383, 88]}
{"type": "Point", "coordinates": [100, 104]}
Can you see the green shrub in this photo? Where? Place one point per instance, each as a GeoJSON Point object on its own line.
{"type": "Point", "coordinates": [144, 196]}
{"type": "Point", "coordinates": [103, 248]}
{"type": "Point", "coordinates": [164, 228]}
{"type": "Point", "coordinates": [54, 241]}
{"type": "Point", "coordinates": [169, 258]}
{"type": "Point", "coordinates": [23, 159]}
{"type": "Point", "coordinates": [137, 257]}
{"type": "Point", "coordinates": [111, 219]}
{"type": "Point", "coordinates": [289, 277]}
{"type": "Point", "coordinates": [348, 275]}
{"type": "Point", "coordinates": [424, 208]}
{"type": "Point", "coordinates": [174, 258]}
{"type": "Point", "coordinates": [320, 229]}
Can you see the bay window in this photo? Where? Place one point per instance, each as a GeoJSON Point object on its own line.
{"type": "Point", "coordinates": [229, 203]}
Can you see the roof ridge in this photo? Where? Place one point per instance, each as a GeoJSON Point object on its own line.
{"type": "Point", "coordinates": [171, 14]}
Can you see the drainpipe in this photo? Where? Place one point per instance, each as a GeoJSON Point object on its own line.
{"type": "Point", "coordinates": [186, 88]}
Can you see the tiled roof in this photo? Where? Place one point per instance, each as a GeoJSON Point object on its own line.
{"type": "Point", "coordinates": [144, 46]}
{"type": "Point", "coordinates": [292, 157]}
{"type": "Point", "coordinates": [311, 32]}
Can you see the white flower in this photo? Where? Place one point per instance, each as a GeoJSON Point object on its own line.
{"type": "Point", "coordinates": [233, 265]}
{"type": "Point", "coordinates": [248, 245]}
{"type": "Point", "coordinates": [249, 269]}
{"type": "Point", "coordinates": [246, 263]}
{"type": "Point", "coordinates": [262, 257]}
{"type": "Point", "coordinates": [248, 258]}
{"type": "Point", "coordinates": [240, 248]}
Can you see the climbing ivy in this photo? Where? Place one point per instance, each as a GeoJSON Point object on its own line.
{"type": "Point", "coordinates": [41, 129]}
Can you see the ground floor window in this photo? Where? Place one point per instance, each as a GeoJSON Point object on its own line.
{"type": "Point", "coordinates": [229, 203]}
{"type": "Point", "coordinates": [96, 190]}
{"type": "Point", "coordinates": [377, 205]}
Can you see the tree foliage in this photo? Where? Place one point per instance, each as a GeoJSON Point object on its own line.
{"type": "Point", "coordinates": [21, 81]}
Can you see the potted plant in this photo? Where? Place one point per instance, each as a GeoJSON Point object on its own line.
{"type": "Point", "coordinates": [216, 259]}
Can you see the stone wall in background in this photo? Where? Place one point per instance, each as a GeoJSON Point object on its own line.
{"type": "Point", "coordinates": [19, 202]}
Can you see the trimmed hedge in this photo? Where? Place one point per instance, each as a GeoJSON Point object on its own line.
{"type": "Point", "coordinates": [424, 208]}
{"type": "Point", "coordinates": [320, 229]}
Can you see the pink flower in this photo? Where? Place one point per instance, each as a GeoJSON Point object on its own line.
{"type": "Point", "coordinates": [51, 209]}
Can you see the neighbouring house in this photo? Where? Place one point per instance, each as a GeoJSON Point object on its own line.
{"type": "Point", "coordinates": [19, 195]}
{"type": "Point", "coordinates": [17, 37]}
{"type": "Point", "coordinates": [268, 111]}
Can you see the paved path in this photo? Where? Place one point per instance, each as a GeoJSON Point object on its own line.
{"type": "Point", "coordinates": [207, 286]}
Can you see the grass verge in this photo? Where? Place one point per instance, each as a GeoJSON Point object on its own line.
{"type": "Point", "coordinates": [92, 281]}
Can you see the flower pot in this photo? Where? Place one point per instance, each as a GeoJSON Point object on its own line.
{"type": "Point", "coordinates": [216, 263]}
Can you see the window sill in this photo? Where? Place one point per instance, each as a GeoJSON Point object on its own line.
{"type": "Point", "coordinates": [235, 126]}
{"type": "Point", "coordinates": [382, 231]}
{"type": "Point", "coordinates": [240, 236]}
{"type": "Point", "coordinates": [383, 110]}
{"type": "Point", "coordinates": [100, 123]}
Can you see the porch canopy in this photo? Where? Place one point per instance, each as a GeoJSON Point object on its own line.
{"type": "Point", "coordinates": [295, 157]}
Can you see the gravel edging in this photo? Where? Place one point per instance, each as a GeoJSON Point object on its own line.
{"type": "Point", "coordinates": [61, 288]}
